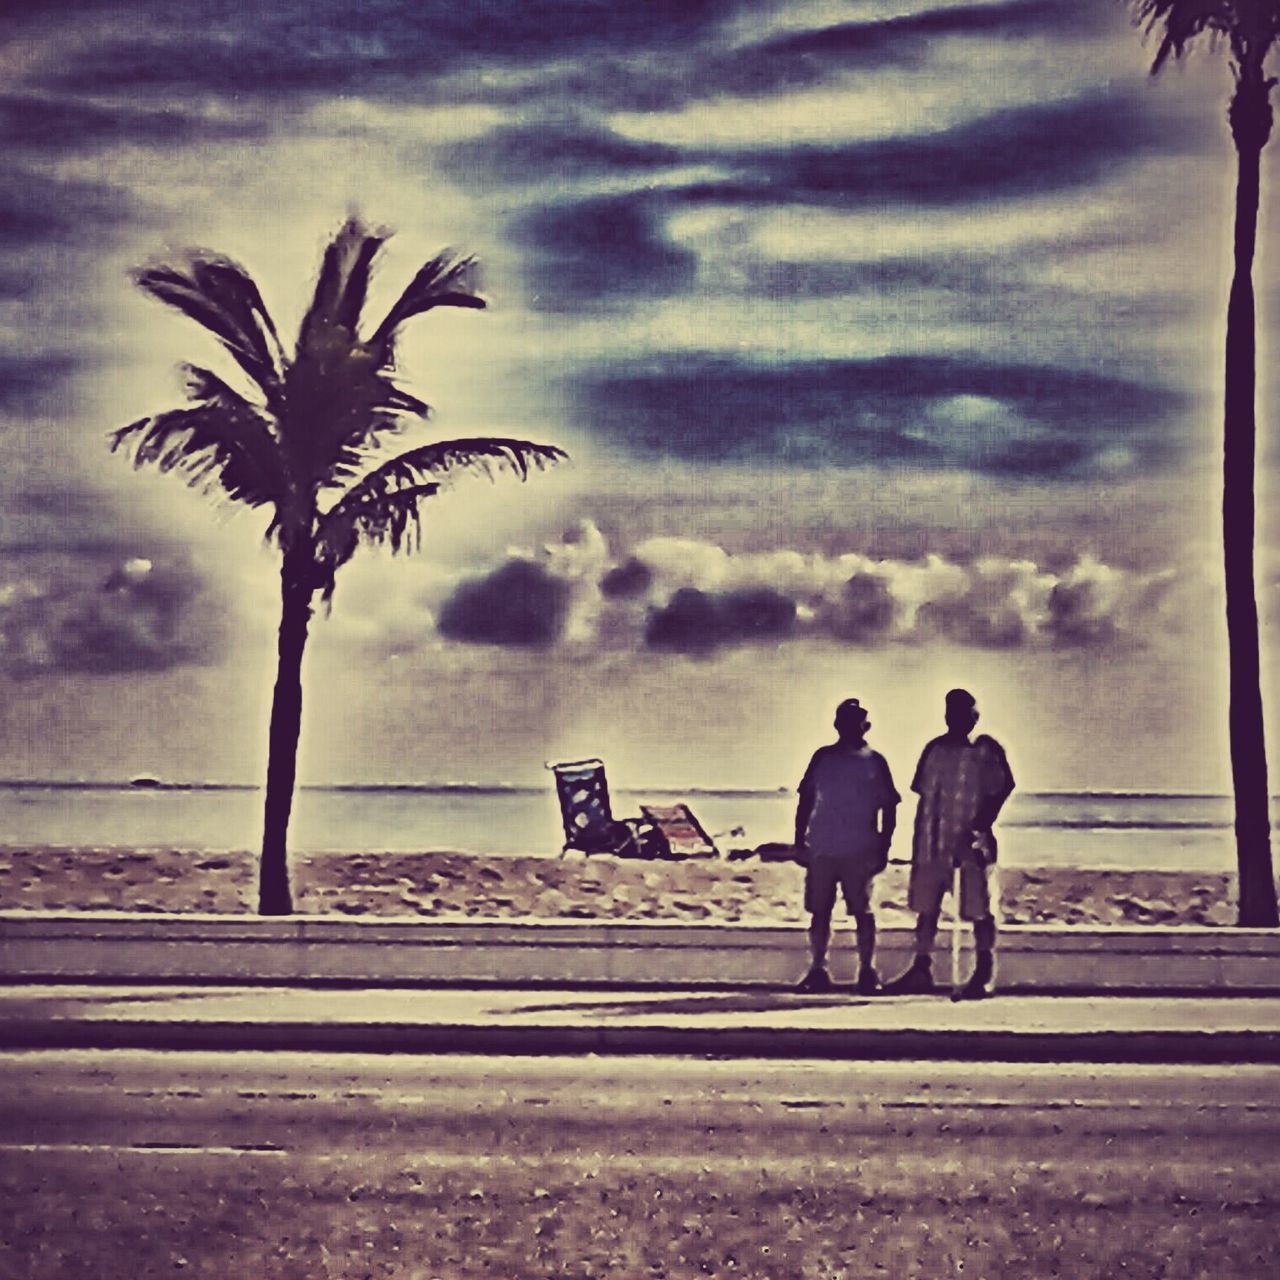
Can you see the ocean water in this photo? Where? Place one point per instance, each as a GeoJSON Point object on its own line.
{"type": "Point", "coordinates": [1088, 829]}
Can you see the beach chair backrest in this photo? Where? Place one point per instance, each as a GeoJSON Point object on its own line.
{"type": "Point", "coordinates": [684, 834]}
{"type": "Point", "coordinates": [584, 802]}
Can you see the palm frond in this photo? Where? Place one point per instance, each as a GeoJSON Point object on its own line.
{"type": "Point", "coordinates": [393, 519]}
{"type": "Point", "coordinates": [382, 506]}
{"type": "Point", "coordinates": [221, 441]}
{"type": "Point", "coordinates": [1180, 22]}
{"type": "Point", "coordinates": [485, 455]}
{"type": "Point", "coordinates": [220, 295]}
{"type": "Point", "coordinates": [204, 446]}
{"type": "Point", "coordinates": [341, 398]}
{"type": "Point", "coordinates": [445, 281]}
{"type": "Point", "coordinates": [341, 287]}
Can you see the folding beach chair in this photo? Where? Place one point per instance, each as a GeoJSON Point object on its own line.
{"type": "Point", "coordinates": [589, 824]}
{"type": "Point", "coordinates": [685, 835]}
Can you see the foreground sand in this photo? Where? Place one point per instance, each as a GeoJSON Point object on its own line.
{"type": "Point", "coordinates": [451, 884]}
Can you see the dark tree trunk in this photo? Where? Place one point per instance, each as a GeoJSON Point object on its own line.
{"type": "Point", "coordinates": [1250, 124]}
{"type": "Point", "coordinates": [274, 898]}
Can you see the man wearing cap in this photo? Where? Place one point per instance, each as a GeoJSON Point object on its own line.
{"type": "Point", "coordinates": [962, 783]}
{"type": "Point", "coordinates": [844, 824]}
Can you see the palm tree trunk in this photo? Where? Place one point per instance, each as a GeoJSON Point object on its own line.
{"type": "Point", "coordinates": [1257, 892]}
{"type": "Point", "coordinates": [286, 722]}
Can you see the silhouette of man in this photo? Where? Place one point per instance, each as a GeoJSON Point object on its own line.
{"type": "Point", "coordinates": [962, 783]}
{"type": "Point", "coordinates": [844, 824]}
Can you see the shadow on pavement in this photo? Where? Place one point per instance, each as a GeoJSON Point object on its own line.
{"type": "Point", "coordinates": [726, 1002]}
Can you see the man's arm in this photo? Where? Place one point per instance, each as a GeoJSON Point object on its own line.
{"type": "Point", "coordinates": [1001, 788]}
{"type": "Point", "coordinates": [888, 825]}
{"type": "Point", "coordinates": [888, 822]}
{"type": "Point", "coordinates": [804, 811]}
{"type": "Point", "coordinates": [989, 810]}
{"type": "Point", "coordinates": [889, 800]}
{"type": "Point", "coordinates": [917, 782]}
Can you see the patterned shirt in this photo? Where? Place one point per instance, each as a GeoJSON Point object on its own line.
{"type": "Point", "coordinates": [953, 779]}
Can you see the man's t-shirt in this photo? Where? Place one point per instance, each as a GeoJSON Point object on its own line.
{"type": "Point", "coordinates": [952, 780]}
{"type": "Point", "coordinates": [850, 786]}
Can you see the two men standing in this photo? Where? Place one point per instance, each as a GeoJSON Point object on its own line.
{"type": "Point", "coordinates": [845, 821]}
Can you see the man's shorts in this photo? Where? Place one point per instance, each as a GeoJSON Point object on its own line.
{"type": "Point", "coordinates": [932, 881]}
{"type": "Point", "coordinates": [824, 875]}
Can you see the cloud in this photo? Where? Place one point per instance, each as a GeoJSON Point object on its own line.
{"type": "Point", "coordinates": [694, 621]}
{"type": "Point", "coordinates": [32, 380]}
{"type": "Point", "coordinates": [795, 58]}
{"type": "Point", "coordinates": [994, 604]}
{"type": "Point", "coordinates": [43, 123]}
{"type": "Point", "coordinates": [323, 46]}
{"type": "Point", "coordinates": [553, 150]}
{"type": "Point", "coordinates": [864, 609]}
{"type": "Point", "coordinates": [987, 281]}
{"type": "Point", "coordinates": [519, 603]}
{"type": "Point", "coordinates": [1094, 603]}
{"type": "Point", "coordinates": [684, 595]}
{"type": "Point", "coordinates": [16, 282]}
{"type": "Point", "coordinates": [1018, 152]}
{"type": "Point", "coordinates": [708, 64]}
{"type": "Point", "coordinates": [901, 33]}
{"type": "Point", "coordinates": [99, 614]}
{"type": "Point", "coordinates": [626, 580]}
{"type": "Point", "coordinates": [37, 208]}
{"type": "Point", "coordinates": [926, 411]}
{"type": "Point", "coordinates": [602, 249]}
{"type": "Point", "coordinates": [37, 10]}
{"type": "Point", "coordinates": [821, 279]}
{"type": "Point", "coordinates": [136, 617]}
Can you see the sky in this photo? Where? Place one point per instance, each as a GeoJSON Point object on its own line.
{"type": "Point", "coordinates": [884, 338]}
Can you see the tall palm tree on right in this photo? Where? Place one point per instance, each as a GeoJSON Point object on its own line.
{"type": "Point", "coordinates": [1249, 30]}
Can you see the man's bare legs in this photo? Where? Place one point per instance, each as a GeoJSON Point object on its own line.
{"type": "Point", "coordinates": [984, 963]}
{"type": "Point", "coordinates": [918, 979]}
{"type": "Point", "coordinates": [820, 942]}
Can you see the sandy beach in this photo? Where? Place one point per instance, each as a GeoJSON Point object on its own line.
{"type": "Point", "coordinates": [440, 884]}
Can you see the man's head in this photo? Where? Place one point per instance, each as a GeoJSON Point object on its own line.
{"type": "Point", "coordinates": [851, 720]}
{"type": "Point", "coordinates": [961, 712]}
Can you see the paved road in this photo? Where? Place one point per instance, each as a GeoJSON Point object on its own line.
{"type": "Point", "coordinates": [283, 1166]}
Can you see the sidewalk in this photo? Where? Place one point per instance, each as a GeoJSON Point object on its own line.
{"type": "Point", "coordinates": [746, 1023]}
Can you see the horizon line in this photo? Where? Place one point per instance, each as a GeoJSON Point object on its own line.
{"type": "Point", "coordinates": [144, 783]}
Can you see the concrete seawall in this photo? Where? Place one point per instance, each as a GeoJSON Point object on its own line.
{"type": "Point", "coordinates": [131, 947]}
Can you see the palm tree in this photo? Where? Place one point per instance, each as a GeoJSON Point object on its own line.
{"type": "Point", "coordinates": [1249, 30]}
{"type": "Point", "coordinates": [306, 442]}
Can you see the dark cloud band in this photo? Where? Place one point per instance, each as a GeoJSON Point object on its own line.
{"type": "Point", "coordinates": [926, 411]}
{"type": "Point", "coordinates": [327, 45]}
{"type": "Point", "coordinates": [1025, 151]}
{"type": "Point", "coordinates": [602, 250]}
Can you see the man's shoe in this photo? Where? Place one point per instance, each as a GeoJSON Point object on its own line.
{"type": "Point", "coordinates": [979, 985]}
{"type": "Point", "coordinates": [916, 981]}
{"type": "Point", "coordinates": [815, 981]}
{"type": "Point", "coordinates": [868, 982]}
{"type": "Point", "coordinates": [974, 989]}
